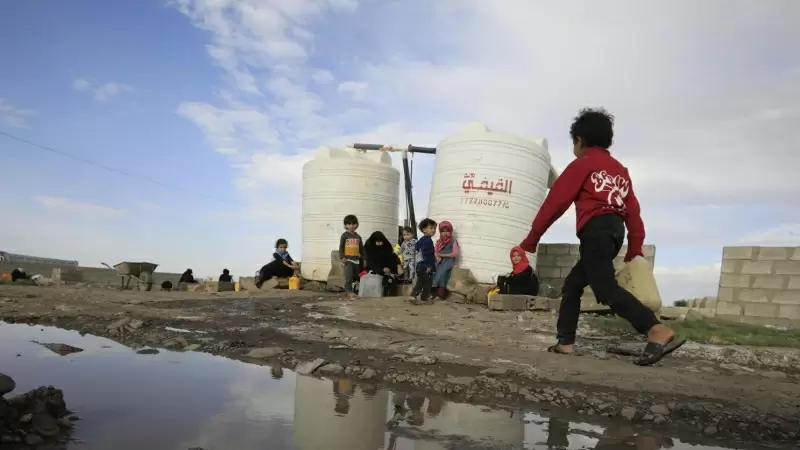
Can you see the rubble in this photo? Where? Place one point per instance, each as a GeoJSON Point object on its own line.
{"type": "Point", "coordinates": [33, 418]}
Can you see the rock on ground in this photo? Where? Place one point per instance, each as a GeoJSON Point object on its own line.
{"type": "Point", "coordinates": [33, 417]}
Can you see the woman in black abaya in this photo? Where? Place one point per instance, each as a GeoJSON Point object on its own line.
{"type": "Point", "coordinates": [381, 260]}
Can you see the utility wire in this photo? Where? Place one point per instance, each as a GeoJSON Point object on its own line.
{"type": "Point", "coordinates": [108, 168]}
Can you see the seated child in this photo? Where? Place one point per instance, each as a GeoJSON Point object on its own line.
{"type": "Point", "coordinates": [426, 263]}
{"type": "Point", "coordinates": [522, 280]}
{"type": "Point", "coordinates": [281, 266]}
{"type": "Point", "coordinates": [446, 254]}
{"type": "Point", "coordinates": [409, 253]}
{"type": "Point", "coordinates": [381, 260]}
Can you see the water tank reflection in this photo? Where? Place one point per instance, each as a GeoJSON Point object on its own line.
{"type": "Point", "coordinates": [338, 415]}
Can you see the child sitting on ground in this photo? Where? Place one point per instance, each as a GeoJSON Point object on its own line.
{"type": "Point", "coordinates": [351, 252]}
{"type": "Point", "coordinates": [522, 280]}
{"type": "Point", "coordinates": [446, 254]}
{"type": "Point", "coordinates": [281, 266]}
{"type": "Point", "coordinates": [409, 253]}
{"type": "Point", "coordinates": [426, 263]}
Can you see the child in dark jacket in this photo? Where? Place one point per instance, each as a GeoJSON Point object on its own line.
{"type": "Point", "coordinates": [605, 204]}
{"type": "Point", "coordinates": [522, 280]}
{"type": "Point", "coordinates": [426, 264]}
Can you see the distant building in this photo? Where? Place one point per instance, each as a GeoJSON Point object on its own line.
{"type": "Point", "coordinates": [25, 259]}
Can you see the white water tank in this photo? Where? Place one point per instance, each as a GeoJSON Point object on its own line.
{"type": "Point", "coordinates": [501, 428]}
{"type": "Point", "coordinates": [490, 187]}
{"type": "Point", "coordinates": [338, 182]}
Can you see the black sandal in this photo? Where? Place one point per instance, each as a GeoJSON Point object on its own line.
{"type": "Point", "coordinates": [557, 349]}
{"type": "Point", "coordinates": [654, 352]}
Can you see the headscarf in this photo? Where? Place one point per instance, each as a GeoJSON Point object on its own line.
{"type": "Point", "coordinates": [443, 242]}
{"type": "Point", "coordinates": [523, 263]}
{"type": "Point", "coordinates": [379, 256]}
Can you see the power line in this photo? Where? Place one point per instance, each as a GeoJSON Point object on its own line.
{"type": "Point", "coordinates": [108, 168]}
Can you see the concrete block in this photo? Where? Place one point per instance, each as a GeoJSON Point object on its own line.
{"type": "Point", "coordinates": [794, 283]}
{"type": "Point", "coordinates": [673, 312]}
{"type": "Point", "coordinates": [336, 266]}
{"type": "Point", "coordinates": [755, 295]}
{"type": "Point", "coordinates": [700, 314]}
{"type": "Point", "coordinates": [787, 297]}
{"type": "Point", "coordinates": [773, 253]}
{"type": "Point", "coordinates": [335, 283]}
{"type": "Point", "coordinates": [225, 287]}
{"type": "Point", "coordinates": [734, 281]}
{"type": "Point", "coordinates": [566, 261]}
{"type": "Point", "coordinates": [565, 271]}
{"type": "Point", "coordinates": [729, 309]}
{"type": "Point", "coordinates": [795, 254]}
{"type": "Point", "coordinates": [545, 261]}
{"type": "Point", "coordinates": [549, 272]}
{"type": "Point", "coordinates": [738, 252]}
{"type": "Point", "coordinates": [505, 302]}
{"type": "Point", "coordinates": [731, 266]}
{"type": "Point", "coordinates": [727, 295]}
{"type": "Point", "coordinates": [757, 267]}
{"type": "Point", "coordinates": [760, 310]}
{"type": "Point", "coordinates": [787, 267]}
{"type": "Point", "coordinates": [558, 249]}
{"type": "Point", "coordinates": [709, 302]}
{"type": "Point", "coordinates": [543, 303]}
{"type": "Point", "coordinates": [247, 283]}
{"type": "Point", "coordinates": [789, 312]}
{"type": "Point", "coordinates": [574, 249]}
{"type": "Point", "coordinates": [769, 282]}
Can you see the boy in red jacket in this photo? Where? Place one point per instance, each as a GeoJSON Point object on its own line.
{"type": "Point", "coordinates": [605, 204]}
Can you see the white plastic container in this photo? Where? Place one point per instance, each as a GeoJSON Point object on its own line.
{"type": "Point", "coordinates": [490, 187]}
{"type": "Point", "coordinates": [338, 182]}
{"type": "Point", "coordinates": [371, 286]}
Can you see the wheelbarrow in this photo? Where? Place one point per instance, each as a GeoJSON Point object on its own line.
{"type": "Point", "coordinates": [141, 271]}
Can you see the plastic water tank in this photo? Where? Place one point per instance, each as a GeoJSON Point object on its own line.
{"type": "Point", "coordinates": [503, 429]}
{"type": "Point", "coordinates": [338, 182]}
{"type": "Point", "coordinates": [490, 187]}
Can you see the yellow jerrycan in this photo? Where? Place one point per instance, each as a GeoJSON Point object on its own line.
{"type": "Point", "coordinates": [637, 278]}
{"type": "Point", "coordinates": [294, 283]}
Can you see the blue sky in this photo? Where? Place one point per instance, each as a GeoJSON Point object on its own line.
{"type": "Point", "coordinates": [224, 101]}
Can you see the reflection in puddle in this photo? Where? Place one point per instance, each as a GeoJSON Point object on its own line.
{"type": "Point", "coordinates": [131, 401]}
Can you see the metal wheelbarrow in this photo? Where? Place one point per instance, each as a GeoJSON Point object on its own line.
{"type": "Point", "coordinates": [141, 271]}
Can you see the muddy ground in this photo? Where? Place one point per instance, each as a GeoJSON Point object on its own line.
{"type": "Point", "coordinates": [464, 351]}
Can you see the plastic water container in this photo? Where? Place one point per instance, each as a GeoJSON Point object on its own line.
{"type": "Point", "coordinates": [637, 278]}
{"type": "Point", "coordinates": [294, 283]}
{"type": "Point", "coordinates": [371, 286]}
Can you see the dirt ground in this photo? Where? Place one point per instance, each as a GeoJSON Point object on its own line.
{"type": "Point", "coordinates": [446, 347]}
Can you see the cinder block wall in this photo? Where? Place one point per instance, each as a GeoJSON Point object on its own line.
{"type": "Point", "coordinates": [554, 261]}
{"type": "Point", "coordinates": [760, 285]}
{"type": "Point", "coordinates": [83, 274]}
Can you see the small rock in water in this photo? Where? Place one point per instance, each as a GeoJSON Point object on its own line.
{"type": "Point", "coordinates": [659, 409]}
{"type": "Point", "coordinates": [265, 352]}
{"type": "Point", "coordinates": [309, 366]}
{"type": "Point", "coordinates": [368, 374]}
{"type": "Point", "coordinates": [147, 351]}
{"type": "Point", "coordinates": [7, 384]}
{"type": "Point", "coordinates": [45, 424]}
{"type": "Point", "coordinates": [424, 359]}
{"type": "Point", "coordinates": [33, 439]}
{"type": "Point", "coordinates": [119, 323]}
{"type": "Point", "coordinates": [192, 347]}
{"type": "Point", "coordinates": [26, 418]}
{"type": "Point", "coordinates": [494, 371]}
{"type": "Point", "coordinates": [710, 430]}
{"type": "Point", "coordinates": [331, 368]}
{"type": "Point", "coordinates": [629, 412]}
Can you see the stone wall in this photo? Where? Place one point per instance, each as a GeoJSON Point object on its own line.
{"type": "Point", "coordinates": [74, 274]}
{"type": "Point", "coordinates": [554, 261]}
{"type": "Point", "coordinates": [760, 285]}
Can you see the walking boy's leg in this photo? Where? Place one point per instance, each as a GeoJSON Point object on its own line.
{"type": "Point", "coordinates": [570, 309]}
{"type": "Point", "coordinates": [597, 256]}
{"type": "Point", "coordinates": [427, 283]}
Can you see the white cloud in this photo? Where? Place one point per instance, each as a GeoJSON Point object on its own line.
{"type": "Point", "coordinates": [101, 92]}
{"type": "Point", "coordinates": [72, 206]}
{"type": "Point", "coordinates": [781, 235]}
{"type": "Point", "coordinates": [14, 116]}
{"type": "Point", "coordinates": [705, 115]}
{"type": "Point", "coordinates": [356, 89]}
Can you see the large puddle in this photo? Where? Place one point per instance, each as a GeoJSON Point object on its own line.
{"type": "Point", "coordinates": [178, 401]}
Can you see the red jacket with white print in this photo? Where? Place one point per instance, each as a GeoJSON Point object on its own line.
{"type": "Point", "coordinates": [597, 184]}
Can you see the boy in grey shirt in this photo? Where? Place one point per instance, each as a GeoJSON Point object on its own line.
{"type": "Point", "coordinates": [351, 251]}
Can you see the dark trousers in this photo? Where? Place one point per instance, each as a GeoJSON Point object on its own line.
{"type": "Point", "coordinates": [601, 239]}
{"type": "Point", "coordinates": [423, 285]}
